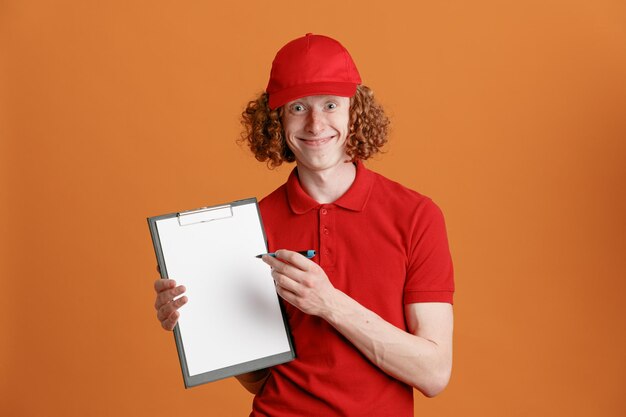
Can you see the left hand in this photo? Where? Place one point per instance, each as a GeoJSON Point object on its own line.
{"type": "Point", "coordinates": [301, 282]}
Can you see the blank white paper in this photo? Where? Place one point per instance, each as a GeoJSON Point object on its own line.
{"type": "Point", "coordinates": [233, 314]}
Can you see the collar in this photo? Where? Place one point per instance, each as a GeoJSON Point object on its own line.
{"type": "Point", "coordinates": [354, 199]}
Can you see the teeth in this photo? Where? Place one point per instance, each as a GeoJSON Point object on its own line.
{"type": "Point", "coordinates": [318, 140]}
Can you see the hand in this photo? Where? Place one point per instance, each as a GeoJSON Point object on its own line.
{"type": "Point", "coordinates": [301, 282]}
{"type": "Point", "coordinates": [165, 305]}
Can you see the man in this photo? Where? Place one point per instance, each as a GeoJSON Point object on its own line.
{"type": "Point", "coordinates": [371, 315]}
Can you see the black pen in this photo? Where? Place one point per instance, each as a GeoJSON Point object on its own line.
{"type": "Point", "coordinates": [308, 253]}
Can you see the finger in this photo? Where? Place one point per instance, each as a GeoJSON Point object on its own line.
{"type": "Point", "coordinates": [294, 258]}
{"type": "Point", "coordinates": [166, 310]}
{"type": "Point", "coordinates": [170, 322]}
{"type": "Point", "coordinates": [167, 296]}
{"type": "Point", "coordinates": [164, 284]}
{"type": "Point", "coordinates": [287, 295]}
{"type": "Point", "coordinates": [282, 267]}
{"type": "Point", "coordinates": [286, 282]}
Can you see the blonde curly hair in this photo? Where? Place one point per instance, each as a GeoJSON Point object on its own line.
{"type": "Point", "coordinates": [263, 129]}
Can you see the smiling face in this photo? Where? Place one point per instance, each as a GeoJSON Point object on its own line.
{"type": "Point", "coordinates": [316, 128]}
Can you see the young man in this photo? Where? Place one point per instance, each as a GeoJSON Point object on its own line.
{"type": "Point", "coordinates": [371, 315]}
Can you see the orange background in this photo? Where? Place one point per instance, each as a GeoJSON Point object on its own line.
{"type": "Point", "coordinates": [510, 116]}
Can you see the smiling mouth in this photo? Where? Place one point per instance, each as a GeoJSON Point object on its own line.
{"type": "Point", "coordinates": [316, 141]}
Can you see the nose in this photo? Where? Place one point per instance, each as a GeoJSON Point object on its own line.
{"type": "Point", "coordinates": [315, 122]}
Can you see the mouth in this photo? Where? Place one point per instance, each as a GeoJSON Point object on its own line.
{"type": "Point", "coordinates": [317, 141]}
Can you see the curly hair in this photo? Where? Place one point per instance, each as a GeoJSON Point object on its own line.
{"type": "Point", "coordinates": [263, 129]}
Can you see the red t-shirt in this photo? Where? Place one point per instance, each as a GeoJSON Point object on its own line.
{"type": "Point", "coordinates": [383, 245]}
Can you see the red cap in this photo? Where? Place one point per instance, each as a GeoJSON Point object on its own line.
{"type": "Point", "coordinates": [309, 66]}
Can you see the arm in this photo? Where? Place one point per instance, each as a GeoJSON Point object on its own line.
{"type": "Point", "coordinates": [167, 313]}
{"type": "Point", "coordinates": [421, 358]}
{"type": "Point", "coordinates": [254, 381]}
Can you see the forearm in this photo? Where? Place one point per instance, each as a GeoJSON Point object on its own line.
{"type": "Point", "coordinates": [421, 357]}
{"type": "Point", "coordinates": [417, 361]}
{"type": "Point", "coordinates": [254, 381]}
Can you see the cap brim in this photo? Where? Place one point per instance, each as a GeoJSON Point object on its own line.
{"type": "Point", "coordinates": [286, 95]}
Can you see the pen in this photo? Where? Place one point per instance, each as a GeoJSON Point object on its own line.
{"type": "Point", "coordinates": [308, 253]}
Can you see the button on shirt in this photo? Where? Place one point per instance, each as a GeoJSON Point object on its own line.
{"type": "Point", "coordinates": [383, 245]}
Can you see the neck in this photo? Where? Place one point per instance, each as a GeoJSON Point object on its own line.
{"type": "Point", "coordinates": [326, 186]}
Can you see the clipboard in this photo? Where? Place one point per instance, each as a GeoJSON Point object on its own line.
{"type": "Point", "coordinates": [233, 322]}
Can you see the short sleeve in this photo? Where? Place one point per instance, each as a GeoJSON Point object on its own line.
{"type": "Point", "coordinates": [430, 276]}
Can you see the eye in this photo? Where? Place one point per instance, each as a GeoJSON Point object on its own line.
{"type": "Point", "coordinates": [297, 108]}
{"type": "Point", "coordinates": [331, 105]}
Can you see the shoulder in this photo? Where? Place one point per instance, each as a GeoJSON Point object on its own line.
{"type": "Point", "coordinates": [274, 200]}
{"type": "Point", "coordinates": [410, 208]}
{"type": "Point", "coordinates": [395, 193]}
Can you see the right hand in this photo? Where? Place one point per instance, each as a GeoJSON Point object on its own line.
{"type": "Point", "coordinates": [165, 305]}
